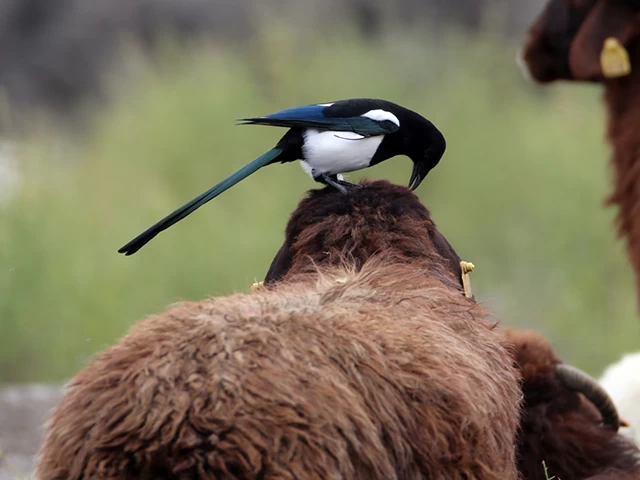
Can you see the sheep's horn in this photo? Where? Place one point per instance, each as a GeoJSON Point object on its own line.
{"type": "Point", "coordinates": [579, 381]}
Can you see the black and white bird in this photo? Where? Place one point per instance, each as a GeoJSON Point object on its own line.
{"type": "Point", "coordinates": [330, 139]}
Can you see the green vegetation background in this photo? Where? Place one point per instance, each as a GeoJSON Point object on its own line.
{"type": "Point", "coordinates": [519, 193]}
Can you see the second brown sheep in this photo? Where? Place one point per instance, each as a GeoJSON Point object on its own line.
{"type": "Point", "coordinates": [566, 42]}
{"type": "Point", "coordinates": [575, 435]}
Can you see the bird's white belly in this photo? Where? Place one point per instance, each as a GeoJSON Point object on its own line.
{"type": "Point", "coordinates": [337, 152]}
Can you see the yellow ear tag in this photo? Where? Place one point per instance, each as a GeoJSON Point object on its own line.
{"type": "Point", "coordinates": [614, 59]}
{"type": "Point", "coordinates": [467, 267]}
{"type": "Point", "coordinates": [257, 286]}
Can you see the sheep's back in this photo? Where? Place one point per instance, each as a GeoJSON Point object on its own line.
{"type": "Point", "coordinates": [335, 380]}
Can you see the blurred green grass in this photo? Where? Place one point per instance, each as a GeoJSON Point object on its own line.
{"type": "Point", "coordinates": [519, 193]}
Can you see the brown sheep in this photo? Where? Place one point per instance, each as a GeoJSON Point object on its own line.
{"type": "Point", "coordinates": [558, 425]}
{"type": "Point", "coordinates": [549, 400]}
{"type": "Point", "coordinates": [576, 435]}
{"type": "Point", "coordinates": [372, 366]}
{"type": "Point", "coordinates": [566, 42]}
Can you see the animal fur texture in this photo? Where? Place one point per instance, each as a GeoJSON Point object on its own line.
{"type": "Point", "coordinates": [561, 427]}
{"type": "Point", "coordinates": [362, 361]}
{"type": "Point", "coordinates": [380, 220]}
{"type": "Point", "coordinates": [565, 43]}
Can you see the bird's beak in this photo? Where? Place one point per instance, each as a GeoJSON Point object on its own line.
{"type": "Point", "coordinates": [416, 176]}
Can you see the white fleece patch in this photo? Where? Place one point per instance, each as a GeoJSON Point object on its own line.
{"type": "Point", "coordinates": [381, 116]}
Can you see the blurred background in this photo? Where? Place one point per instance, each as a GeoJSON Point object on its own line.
{"type": "Point", "coordinates": [113, 113]}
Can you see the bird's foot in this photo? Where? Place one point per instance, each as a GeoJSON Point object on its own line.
{"type": "Point", "coordinates": [340, 185]}
{"type": "Point", "coordinates": [349, 185]}
{"type": "Point", "coordinates": [340, 188]}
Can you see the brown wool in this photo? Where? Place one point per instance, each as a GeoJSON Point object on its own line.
{"type": "Point", "coordinates": [366, 362]}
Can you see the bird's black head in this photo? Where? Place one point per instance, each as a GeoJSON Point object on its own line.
{"type": "Point", "coordinates": [425, 145]}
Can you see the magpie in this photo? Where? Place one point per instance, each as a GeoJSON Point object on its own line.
{"type": "Point", "coordinates": [330, 139]}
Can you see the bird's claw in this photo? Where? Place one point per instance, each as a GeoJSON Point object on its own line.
{"type": "Point", "coordinates": [349, 185]}
{"type": "Point", "coordinates": [341, 185]}
{"type": "Point", "coordinates": [343, 190]}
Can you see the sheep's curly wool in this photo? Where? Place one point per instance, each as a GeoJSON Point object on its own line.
{"type": "Point", "coordinates": [382, 370]}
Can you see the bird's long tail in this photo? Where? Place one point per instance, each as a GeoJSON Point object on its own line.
{"type": "Point", "coordinates": [174, 217]}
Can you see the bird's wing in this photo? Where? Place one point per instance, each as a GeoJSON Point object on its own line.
{"type": "Point", "coordinates": [314, 116]}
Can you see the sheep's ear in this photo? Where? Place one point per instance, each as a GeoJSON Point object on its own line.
{"type": "Point", "coordinates": [444, 248]}
{"type": "Point", "coordinates": [280, 264]}
{"type": "Point", "coordinates": [598, 50]}
{"type": "Point", "coordinates": [545, 54]}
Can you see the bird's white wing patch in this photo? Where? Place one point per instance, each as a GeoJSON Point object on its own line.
{"type": "Point", "coordinates": [325, 104]}
{"type": "Point", "coordinates": [381, 116]}
{"type": "Point", "coordinates": [336, 152]}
